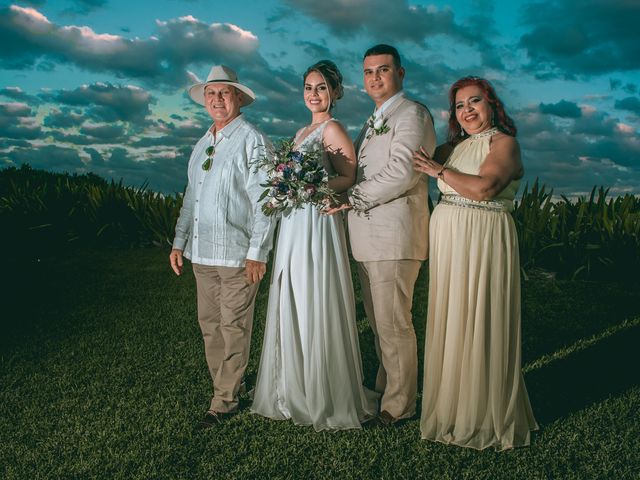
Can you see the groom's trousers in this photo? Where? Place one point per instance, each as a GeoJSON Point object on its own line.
{"type": "Point", "coordinates": [387, 292]}
{"type": "Point", "coordinates": [225, 314]}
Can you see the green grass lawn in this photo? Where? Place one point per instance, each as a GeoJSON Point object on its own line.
{"type": "Point", "coordinates": [102, 375]}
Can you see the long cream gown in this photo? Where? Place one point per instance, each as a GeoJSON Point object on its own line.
{"type": "Point", "coordinates": [474, 393]}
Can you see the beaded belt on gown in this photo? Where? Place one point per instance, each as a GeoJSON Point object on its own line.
{"type": "Point", "coordinates": [460, 201]}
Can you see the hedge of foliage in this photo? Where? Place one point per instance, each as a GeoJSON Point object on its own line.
{"type": "Point", "coordinates": [40, 211]}
{"type": "Point", "coordinates": [595, 237]}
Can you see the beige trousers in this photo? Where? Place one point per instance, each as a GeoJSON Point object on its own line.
{"type": "Point", "coordinates": [225, 313]}
{"type": "Point", "coordinates": [387, 292]}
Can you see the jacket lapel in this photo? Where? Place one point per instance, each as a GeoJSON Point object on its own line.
{"type": "Point", "coordinates": [394, 106]}
{"type": "Point", "coordinates": [361, 139]}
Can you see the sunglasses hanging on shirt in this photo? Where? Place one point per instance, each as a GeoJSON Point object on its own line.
{"type": "Point", "coordinates": [210, 151]}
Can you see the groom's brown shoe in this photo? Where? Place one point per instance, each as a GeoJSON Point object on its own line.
{"type": "Point", "coordinates": [212, 419]}
{"type": "Point", "coordinates": [384, 420]}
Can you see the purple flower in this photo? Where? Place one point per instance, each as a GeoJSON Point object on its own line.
{"type": "Point", "coordinates": [296, 156]}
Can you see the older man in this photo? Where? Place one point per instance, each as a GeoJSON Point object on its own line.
{"type": "Point", "coordinates": [222, 230]}
{"type": "Point", "coordinates": [388, 226]}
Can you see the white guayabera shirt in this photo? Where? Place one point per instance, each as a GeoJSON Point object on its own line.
{"type": "Point", "coordinates": [221, 222]}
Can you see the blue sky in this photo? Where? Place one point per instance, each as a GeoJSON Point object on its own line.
{"type": "Point", "coordinates": [99, 85]}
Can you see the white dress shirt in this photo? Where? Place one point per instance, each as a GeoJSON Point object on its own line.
{"type": "Point", "coordinates": [379, 112]}
{"type": "Point", "coordinates": [221, 222]}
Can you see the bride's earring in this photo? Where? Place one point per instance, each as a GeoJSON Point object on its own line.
{"type": "Point", "coordinates": [331, 104]}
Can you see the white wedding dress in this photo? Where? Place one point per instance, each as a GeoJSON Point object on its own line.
{"type": "Point", "coordinates": [310, 369]}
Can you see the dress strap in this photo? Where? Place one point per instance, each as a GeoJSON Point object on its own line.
{"type": "Point", "coordinates": [324, 125]}
{"type": "Point", "coordinates": [297, 136]}
{"type": "Point", "coordinates": [318, 130]}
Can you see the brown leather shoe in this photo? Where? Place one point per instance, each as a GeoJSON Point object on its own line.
{"type": "Point", "coordinates": [243, 388]}
{"type": "Point", "coordinates": [383, 420]}
{"type": "Point", "coordinates": [212, 419]}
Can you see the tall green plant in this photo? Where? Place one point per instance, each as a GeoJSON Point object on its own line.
{"type": "Point", "coordinates": [592, 237]}
{"type": "Point", "coordinates": [588, 237]}
{"type": "Point", "coordinates": [51, 210]}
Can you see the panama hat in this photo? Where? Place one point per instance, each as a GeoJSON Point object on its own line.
{"type": "Point", "coordinates": [221, 74]}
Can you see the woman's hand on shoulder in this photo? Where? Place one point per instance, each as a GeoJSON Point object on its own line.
{"type": "Point", "coordinates": [443, 151]}
{"type": "Point", "coordinates": [424, 163]}
{"type": "Point", "coordinates": [428, 164]}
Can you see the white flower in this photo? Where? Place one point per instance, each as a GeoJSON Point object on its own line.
{"type": "Point", "coordinates": [377, 126]}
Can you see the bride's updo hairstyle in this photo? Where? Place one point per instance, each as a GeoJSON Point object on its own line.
{"type": "Point", "coordinates": [331, 75]}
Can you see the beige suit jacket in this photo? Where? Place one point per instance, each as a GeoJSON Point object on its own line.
{"type": "Point", "coordinates": [390, 219]}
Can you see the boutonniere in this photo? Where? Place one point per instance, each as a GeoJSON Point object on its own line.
{"type": "Point", "coordinates": [377, 126]}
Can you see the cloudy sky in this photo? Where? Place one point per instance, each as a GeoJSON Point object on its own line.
{"type": "Point", "coordinates": [99, 85]}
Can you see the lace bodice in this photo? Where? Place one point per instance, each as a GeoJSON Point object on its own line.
{"type": "Point", "coordinates": [314, 141]}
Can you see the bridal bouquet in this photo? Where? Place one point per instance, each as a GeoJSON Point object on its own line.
{"type": "Point", "coordinates": [294, 178]}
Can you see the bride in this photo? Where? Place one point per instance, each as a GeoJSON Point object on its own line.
{"type": "Point", "coordinates": [310, 369]}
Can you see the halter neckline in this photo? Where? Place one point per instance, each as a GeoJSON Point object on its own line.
{"type": "Point", "coordinates": [486, 133]}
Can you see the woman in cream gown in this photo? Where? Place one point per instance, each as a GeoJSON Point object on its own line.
{"type": "Point", "coordinates": [310, 369]}
{"type": "Point", "coordinates": [474, 393]}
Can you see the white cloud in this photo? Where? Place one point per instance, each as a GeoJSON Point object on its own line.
{"type": "Point", "coordinates": [162, 58]}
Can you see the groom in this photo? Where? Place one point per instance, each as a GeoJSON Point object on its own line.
{"type": "Point", "coordinates": [389, 226]}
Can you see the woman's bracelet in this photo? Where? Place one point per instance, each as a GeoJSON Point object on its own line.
{"type": "Point", "coordinates": [441, 173]}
